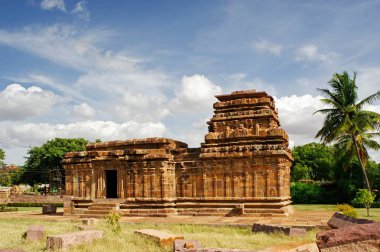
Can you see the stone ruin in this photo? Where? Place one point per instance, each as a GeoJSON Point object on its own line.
{"type": "Point", "coordinates": [243, 167]}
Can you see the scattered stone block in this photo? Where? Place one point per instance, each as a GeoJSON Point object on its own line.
{"type": "Point", "coordinates": [339, 220]}
{"type": "Point", "coordinates": [35, 233]}
{"type": "Point", "coordinates": [49, 209]}
{"type": "Point", "coordinates": [90, 221]}
{"type": "Point", "coordinates": [71, 239]}
{"type": "Point", "coordinates": [273, 229]}
{"type": "Point", "coordinates": [293, 247]}
{"type": "Point", "coordinates": [360, 237]}
{"type": "Point", "coordinates": [185, 245]}
{"type": "Point", "coordinates": [162, 238]}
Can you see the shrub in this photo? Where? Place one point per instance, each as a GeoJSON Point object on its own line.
{"type": "Point", "coordinates": [8, 209]}
{"type": "Point", "coordinates": [303, 193]}
{"type": "Point", "coordinates": [364, 198]}
{"type": "Point", "coordinates": [348, 210]}
{"type": "Point", "coordinates": [113, 221]}
{"type": "Point", "coordinates": [32, 204]}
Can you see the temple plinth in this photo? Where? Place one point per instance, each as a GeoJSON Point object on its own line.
{"type": "Point", "coordinates": [243, 167]}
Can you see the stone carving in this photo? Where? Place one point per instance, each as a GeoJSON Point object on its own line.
{"type": "Point", "coordinates": [161, 177]}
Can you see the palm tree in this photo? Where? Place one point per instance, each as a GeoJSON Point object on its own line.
{"type": "Point", "coordinates": [347, 124]}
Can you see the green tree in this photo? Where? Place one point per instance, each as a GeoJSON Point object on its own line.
{"type": "Point", "coordinates": [2, 157]}
{"type": "Point", "coordinates": [347, 123]}
{"type": "Point", "coordinates": [48, 157]}
{"type": "Point", "coordinates": [365, 198]}
{"type": "Point", "coordinates": [313, 161]}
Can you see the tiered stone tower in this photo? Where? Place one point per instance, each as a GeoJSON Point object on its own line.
{"type": "Point", "coordinates": [242, 168]}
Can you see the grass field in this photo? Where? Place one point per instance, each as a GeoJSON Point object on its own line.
{"type": "Point", "coordinates": [362, 212]}
{"type": "Point", "coordinates": [11, 231]}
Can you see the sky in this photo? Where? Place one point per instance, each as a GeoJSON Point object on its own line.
{"type": "Point", "coordinates": [115, 70]}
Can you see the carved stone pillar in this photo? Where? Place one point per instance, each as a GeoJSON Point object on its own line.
{"type": "Point", "coordinates": [204, 181]}
{"type": "Point", "coordinates": [279, 182]}
{"type": "Point", "coordinates": [162, 185]}
{"type": "Point", "coordinates": [226, 185]}
{"type": "Point", "coordinates": [144, 184]}
{"type": "Point", "coordinates": [182, 187]}
{"type": "Point", "coordinates": [255, 184]}
{"type": "Point", "coordinates": [93, 183]}
{"type": "Point", "coordinates": [234, 185]}
{"type": "Point", "coordinates": [267, 183]}
{"type": "Point", "coordinates": [152, 191]}
{"type": "Point", "coordinates": [75, 184]}
{"type": "Point", "coordinates": [134, 183]}
{"type": "Point", "coordinates": [194, 186]}
{"type": "Point", "coordinates": [214, 186]}
{"type": "Point", "coordinates": [245, 183]}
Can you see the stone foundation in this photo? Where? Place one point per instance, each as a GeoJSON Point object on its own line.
{"type": "Point", "coordinates": [242, 168]}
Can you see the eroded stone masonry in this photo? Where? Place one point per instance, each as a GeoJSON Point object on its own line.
{"type": "Point", "coordinates": [242, 167]}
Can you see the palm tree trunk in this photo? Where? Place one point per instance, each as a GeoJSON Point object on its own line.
{"type": "Point", "coordinates": [361, 164]}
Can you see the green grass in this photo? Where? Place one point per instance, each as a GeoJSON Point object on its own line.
{"type": "Point", "coordinates": [362, 212]}
{"type": "Point", "coordinates": [11, 231]}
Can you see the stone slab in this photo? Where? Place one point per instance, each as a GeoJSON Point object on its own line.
{"type": "Point", "coordinates": [349, 235]}
{"type": "Point", "coordinates": [339, 220]}
{"type": "Point", "coordinates": [185, 245]}
{"type": "Point", "coordinates": [64, 241]}
{"type": "Point", "coordinates": [293, 247]}
{"type": "Point", "coordinates": [363, 246]}
{"type": "Point", "coordinates": [162, 238]}
{"type": "Point", "coordinates": [273, 229]}
{"type": "Point", "coordinates": [35, 232]}
{"type": "Point", "coordinates": [49, 209]}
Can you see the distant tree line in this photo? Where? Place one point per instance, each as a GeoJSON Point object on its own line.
{"type": "Point", "coordinates": [321, 174]}
{"type": "Point", "coordinates": [42, 161]}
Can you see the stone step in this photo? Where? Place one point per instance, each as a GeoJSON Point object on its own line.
{"type": "Point", "coordinates": [97, 212]}
{"type": "Point", "coordinates": [105, 204]}
{"type": "Point", "coordinates": [96, 216]}
{"type": "Point", "coordinates": [101, 208]}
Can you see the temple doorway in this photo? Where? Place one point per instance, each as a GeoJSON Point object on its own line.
{"type": "Point", "coordinates": [111, 183]}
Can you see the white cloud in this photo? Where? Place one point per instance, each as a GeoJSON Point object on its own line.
{"type": "Point", "coordinates": [368, 81]}
{"type": "Point", "coordinates": [84, 111]}
{"type": "Point", "coordinates": [196, 92]}
{"type": "Point", "coordinates": [115, 76]}
{"type": "Point", "coordinates": [266, 46]}
{"type": "Point", "coordinates": [53, 4]}
{"type": "Point", "coordinates": [297, 118]}
{"type": "Point", "coordinates": [239, 81]}
{"type": "Point", "coordinates": [311, 53]}
{"type": "Point", "coordinates": [18, 102]}
{"type": "Point", "coordinates": [31, 134]}
{"type": "Point", "coordinates": [81, 10]}
{"type": "Point", "coordinates": [65, 45]}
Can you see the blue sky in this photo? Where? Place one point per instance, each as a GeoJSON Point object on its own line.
{"type": "Point", "coordinates": [133, 69]}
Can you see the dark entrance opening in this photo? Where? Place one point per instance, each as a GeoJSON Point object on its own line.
{"type": "Point", "coordinates": [111, 183]}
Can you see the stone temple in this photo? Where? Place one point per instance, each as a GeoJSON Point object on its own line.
{"type": "Point", "coordinates": [243, 167]}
